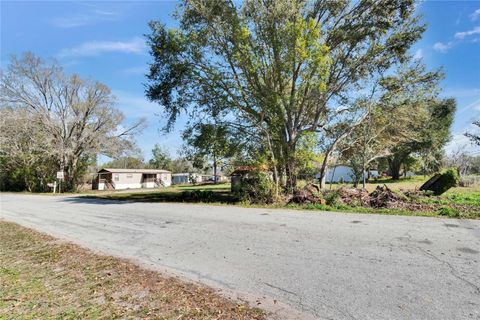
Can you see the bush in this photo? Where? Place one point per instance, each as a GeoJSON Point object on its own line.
{"type": "Point", "coordinates": [257, 187]}
{"type": "Point", "coordinates": [331, 198]}
{"type": "Point", "coordinates": [440, 183]}
{"type": "Point", "coordinates": [449, 212]}
{"type": "Point", "coordinates": [448, 179]}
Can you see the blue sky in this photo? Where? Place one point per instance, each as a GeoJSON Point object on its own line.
{"type": "Point", "coordinates": [104, 41]}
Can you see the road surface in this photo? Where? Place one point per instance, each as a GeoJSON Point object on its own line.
{"type": "Point", "coordinates": [326, 265]}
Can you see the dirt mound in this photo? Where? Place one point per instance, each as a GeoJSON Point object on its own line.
{"type": "Point", "coordinates": [383, 197]}
{"type": "Point", "coordinates": [354, 197]}
{"type": "Point", "coordinates": [310, 194]}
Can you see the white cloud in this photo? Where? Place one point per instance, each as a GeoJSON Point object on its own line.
{"type": "Point", "coordinates": [84, 19]}
{"type": "Point", "coordinates": [418, 54]}
{"type": "Point", "coordinates": [475, 15]}
{"type": "Point", "coordinates": [462, 35]}
{"type": "Point", "coordinates": [442, 47]}
{"type": "Point", "coordinates": [94, 48]}
{"type": "Point", "coordinates": [140, 70]}
{"type": "Point", "coordinates": [475, 105]}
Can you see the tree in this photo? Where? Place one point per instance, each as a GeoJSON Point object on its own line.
{"type": "Point", "coordinates": [181, 165]}
{"type": "Point", "coordinates": [280, 68]}
{"type": "Point", "coordinates": [474, 137]}
{"type": "Point", "coordinates": [27, 161]}
{"type": "Point", "coordinates": [396, 119]}
{"type": "Point", "coordinates": [161, 159]}
{"type": "Point", "coordinates": [126, 162]}
{"type": "Point", "coordinates": [210, 142]}
{"type": "Point", "coordinates": [75, 117]}
{"type": "Point", "coordinates": [431, 134]}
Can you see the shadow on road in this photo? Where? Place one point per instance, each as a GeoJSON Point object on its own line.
{"type": "Point", "coordinates": [93, 200]}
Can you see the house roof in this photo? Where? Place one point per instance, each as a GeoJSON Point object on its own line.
{"type": "Point", "coordinates": [182, 174]}
{"type": "Point", "coordinates": [115, 170]}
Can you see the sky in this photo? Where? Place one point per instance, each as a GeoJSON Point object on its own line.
{"type": "Point", "coordinates": [104, 40]}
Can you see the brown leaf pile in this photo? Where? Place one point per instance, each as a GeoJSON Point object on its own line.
{"type": "Point", "coordinates": [43, 278]}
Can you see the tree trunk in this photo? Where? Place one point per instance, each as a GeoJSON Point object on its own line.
{"type": "Point", "coordinates": [395, 164]}
{"type": "Point", "coordinates": [214, 168]}
{"type": "Point", "coordinates": [290, 166]}
{"type": "Point", "coordinates": [290, 169]}
{"type": "Point", "coordinates": [323, 170]}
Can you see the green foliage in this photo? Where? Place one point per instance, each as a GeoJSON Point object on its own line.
{"type": "Point", "coordinates": [276, 70]}
{"type": "Point", "coordinates": [307, 157]}
{"type": "Point", "coordinates": [126, 162]}
{"type": "Point", "coordinates": [257, 187]}
{"type": "Point", "coordinates": [209, 142]}
{"type": "Point", "coordinates": [161, 159]}
{"type": "Point", "coordinates": [331, 197]}
{"type": "Point", "coordinates": [449, 212]}
{"type": "Point", "coordinates": [447, 180]}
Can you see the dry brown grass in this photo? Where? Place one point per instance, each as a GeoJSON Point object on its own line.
{"type": "Point", "coordinates": [44, 278]}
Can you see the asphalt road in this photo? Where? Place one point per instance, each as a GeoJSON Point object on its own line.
{"type": "Point", "coordinates": [329, 265]}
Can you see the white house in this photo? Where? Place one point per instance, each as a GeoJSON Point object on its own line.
{"type": "Point", "coordinates": [343, 173]}
{"type": "Point", "coordinates": [120, 179]}
{"type": "Point", "coordinates": [339, 173]}
{"type": "Point", "coordinates": [186, 177]}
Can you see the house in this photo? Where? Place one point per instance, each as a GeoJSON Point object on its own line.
{"type": "Point", "coordinates": [120, 179]}
{"type": "Point", "coordinates": [186, 177]}
{"type": "Point", "coordinates": [339, 174]}
{"type": "Point", "coordinates": [211, 178]}
{"type": "Point", "coordinates": [342, 173]}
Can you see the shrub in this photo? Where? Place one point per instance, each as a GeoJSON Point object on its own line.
{"type": "Point", "coordinates": [331, 198]}
{"type": "Point", "coordinates": [257, 187]}
{"type": "Point", "coordinates": [449, 212]}
{"type": "Point", "coordinates": [448, 179]}
{"type": "Point", "coordinates": [440, 183]}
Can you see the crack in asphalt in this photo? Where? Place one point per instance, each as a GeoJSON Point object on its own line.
{"type": "Point", "coordinates": [453, 271]}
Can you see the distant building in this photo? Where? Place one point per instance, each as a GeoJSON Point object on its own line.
{"type": "Point", "coordinates": [211, 178]}
{"type": "Point", "coordinates": [121, 179]}
{"type": "Point", "coordinates": [339, 174]}
{"type": "Point", "coordinates": [343, 174]}
{"type": "Point", "coordinates": [185, 178]}
{"type": "Point", "coordinates": [409, 174]}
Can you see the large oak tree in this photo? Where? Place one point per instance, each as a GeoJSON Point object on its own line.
{"type": "Point", "coordinates": [282, 67]}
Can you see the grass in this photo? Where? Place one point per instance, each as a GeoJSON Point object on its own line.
{"type": "Point", "coordinates": [219, 193]}
{"type": "Point", "coordinates": [456, 195]}
{"type": "Point", "coordinates": [464, 201]}
{"type": "Point", "coordinates": [44, 278]}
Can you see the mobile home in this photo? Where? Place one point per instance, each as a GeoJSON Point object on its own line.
{"type": "Point", "coordinates": [121, 179]}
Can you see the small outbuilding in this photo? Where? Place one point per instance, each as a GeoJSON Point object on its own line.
{"type": "Point", "coordinates": [121, 179]}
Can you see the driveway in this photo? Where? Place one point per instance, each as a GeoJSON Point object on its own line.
{"type": "Point", "coordinates": [326, 265]}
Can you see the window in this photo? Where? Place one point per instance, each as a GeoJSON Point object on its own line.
{"type": "Point", "coordinates": [116, 177]}
{"type": "Point", "coordinates": [129, 175]}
